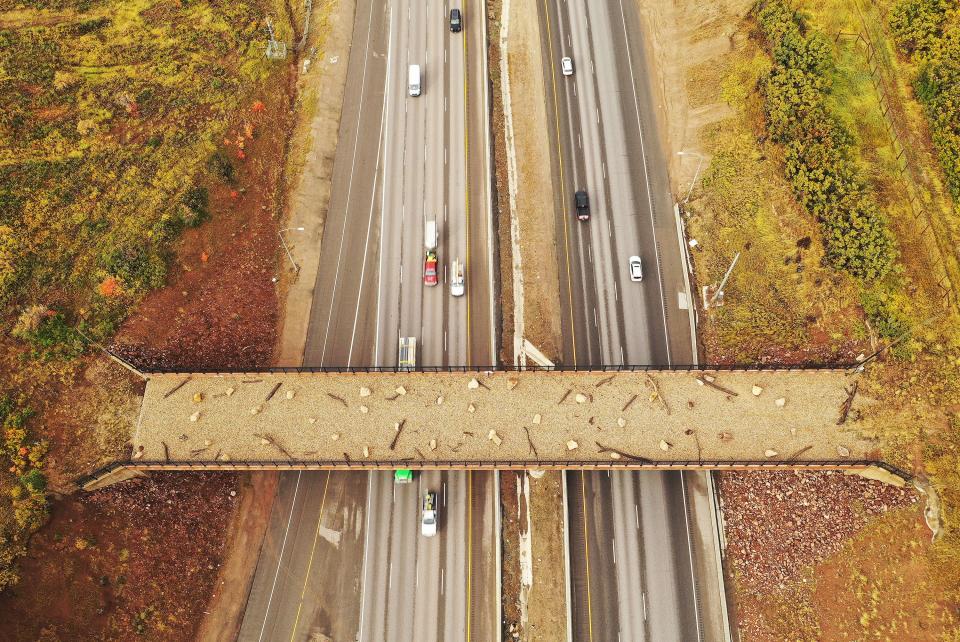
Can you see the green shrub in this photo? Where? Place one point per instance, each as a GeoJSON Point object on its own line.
{"type": "Point", "coordinates": [53, 339]}
{"type": "Point", "coordinates": [219, 163]}
{"type": "Point", "coordinates": [918, 24]}
{"type": "Point", "coordinates": [28, 495]}
{"type": "Point", "coordinates": [9, 255]}
{"type": "Point", "coordinates": [197, 202]}
{"type": "Point", "coordinates": [887, 320]}
{"type": "Point", "coordinates": [929, 32]}
{"type": "Point", "coordinates": [817, 146]}
{"type": "Point", "coordinates": [34, 480]}
{"type": "Point", "coordinates": [10, 550]}
{"type": "Point", "coordinates": [138, 267]}
{"type": "Point", "coordinates": [88, 26]}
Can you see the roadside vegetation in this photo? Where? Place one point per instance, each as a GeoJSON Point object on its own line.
{"type": "Point", "coordinates": [25, 508]}
{"type": "Point", "coordinates": [927, 32]}
{"type": "Point", "coordinates": [125, 125]}
{"type": "Point", "coordinates": [831, 179]}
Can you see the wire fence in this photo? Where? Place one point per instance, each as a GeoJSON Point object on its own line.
{"type": "Point", "coordinates": [487, 464]}
{"type": "Point", "coordinates": [931, 233]}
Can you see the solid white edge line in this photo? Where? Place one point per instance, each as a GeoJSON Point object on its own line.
{"type": "Point", "coordinates": [687, 271]}
{"type": "Point", "coordinates": [366, 242]}
{"type": "Point", "coordinates": [366, 549]}
{"type": "Point", "coordinates": [693, 573]}
{"type": "Point", "coordinates": [490, 173]}
{"type": "Point", "coordinates": [383, 194]}
{"type": "Point", "coordinates": [353, 164]}
{"type": "Point", "coordinates": [283, 545]}
{"type": "Point", "coordinates": [716, 517]}
{"type": "Point", "coordinates": [566, 555]}
{"type": "Point", "coordinates": [498, 553]}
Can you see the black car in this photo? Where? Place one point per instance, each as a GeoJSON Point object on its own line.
{"type": "Point", "coordinates": [583, 205]}
{"type": "Point", "coordinates": [456, 20]}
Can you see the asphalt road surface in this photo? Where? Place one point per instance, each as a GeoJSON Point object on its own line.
{"type": "Point", "coordinates": [631, 572]}
{"type": "Point", "coordinates": [430, 588]}
{"type": "Point", "coordinates": [344, 556]}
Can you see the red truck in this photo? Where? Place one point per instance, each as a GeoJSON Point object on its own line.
{"type": "Point", "coordinates": [430, 268]}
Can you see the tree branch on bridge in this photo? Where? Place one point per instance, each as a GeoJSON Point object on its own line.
{"type": "Point", "coordinates": [655, 392]}
{"type": "Point", "coordinates": [396, 437]}
{"type": "Point", "coordinates": [604, 380]}
{"type": "Point", "coordinates": [533, 448]}
{"type": "Point", "coordinates": [848, 404]}
{"type": "Point", "coordinates": [273, 392]}
{"type": "Point", "coordinates": [708, 382]}
{"type": "Point", "coordinates": [622, 453]}
{"type": "Point", "coordinates": [176, 387]}
{"type": "Point", "coordinates": [273, 442]}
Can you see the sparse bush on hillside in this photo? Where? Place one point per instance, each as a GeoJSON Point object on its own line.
{"type": "Point", "coordinates": [918, 24]}
{"type": "Point", "coordinates": [52, 338]}
{"type": "Point", "coordinates": [197, 201]}
{"type": "Point", "coordinates": [28, 492]}
{"type": "Point", "coordinates": [817, 146]}
{"type": "Point", "coordinates": [9, 251]}
{"type": "Point", "coordinates": [108, 122]}
{"type": "Point", "coordinates": [929, 32]}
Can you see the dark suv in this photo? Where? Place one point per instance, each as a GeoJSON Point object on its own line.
{"type": "Point", "coordinates": [456, 20]}
{"type": "Point", "coordinates": [583, 205]}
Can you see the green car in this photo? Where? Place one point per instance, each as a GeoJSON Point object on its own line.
{"type": "Point", "coordinates": [403, 476]}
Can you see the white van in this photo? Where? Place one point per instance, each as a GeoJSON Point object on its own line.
{"type": "Point", "coordinates": [413, 80]}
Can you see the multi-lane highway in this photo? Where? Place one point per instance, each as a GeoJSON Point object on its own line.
{"type": "Point", "coordinates": [631, 571]}
{"type": "Point", "coordinates": [344, 556]}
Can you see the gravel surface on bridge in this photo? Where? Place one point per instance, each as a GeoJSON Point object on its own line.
{"type": "Point", "coordinates": [505, 416]}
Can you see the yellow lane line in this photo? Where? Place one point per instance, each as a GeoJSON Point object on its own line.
{"type": "Point", "coordinates": [310, 563]}
{"type": "Point", "coordinates": [469, 546]}
{"type": "Point", "coordinates": [563, 198]}
{"type": "Point", "coordinates": [586, 551]}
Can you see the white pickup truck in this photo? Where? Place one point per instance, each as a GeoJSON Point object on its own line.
{"type": "Point", "coordinates": [428, 523]}
{"type": "Point", "coordinates": [456, 278]}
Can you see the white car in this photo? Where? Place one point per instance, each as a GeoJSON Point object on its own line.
{"type": "Point", "coordinates": [456, 278]}
{"type": "Point", "coordinates": [566, 66]}
{"type": "Point", "coordinates": [636, 269]}
{"type": "Point", "coordinates": [428, 524]}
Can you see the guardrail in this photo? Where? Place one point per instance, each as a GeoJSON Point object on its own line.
{"type": "Point", "coordinates": [445, 464]}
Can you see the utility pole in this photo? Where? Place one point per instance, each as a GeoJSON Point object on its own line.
{"type": "Point", "coordinates": [296, 268]}
{"type": "Point", "coordinates": [307, 8]}
{"type": "Point", "coordinates": [719, 291]}
{"type": "Point", "coordinates": [695, 174]}
{"type": "Point", "coordinates": [276, 50]}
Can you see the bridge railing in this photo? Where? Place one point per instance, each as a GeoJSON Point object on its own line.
{"type": "Point", "coordinates": [834, 367]}
{"type": "Point", "coordinates": [364, 464]}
